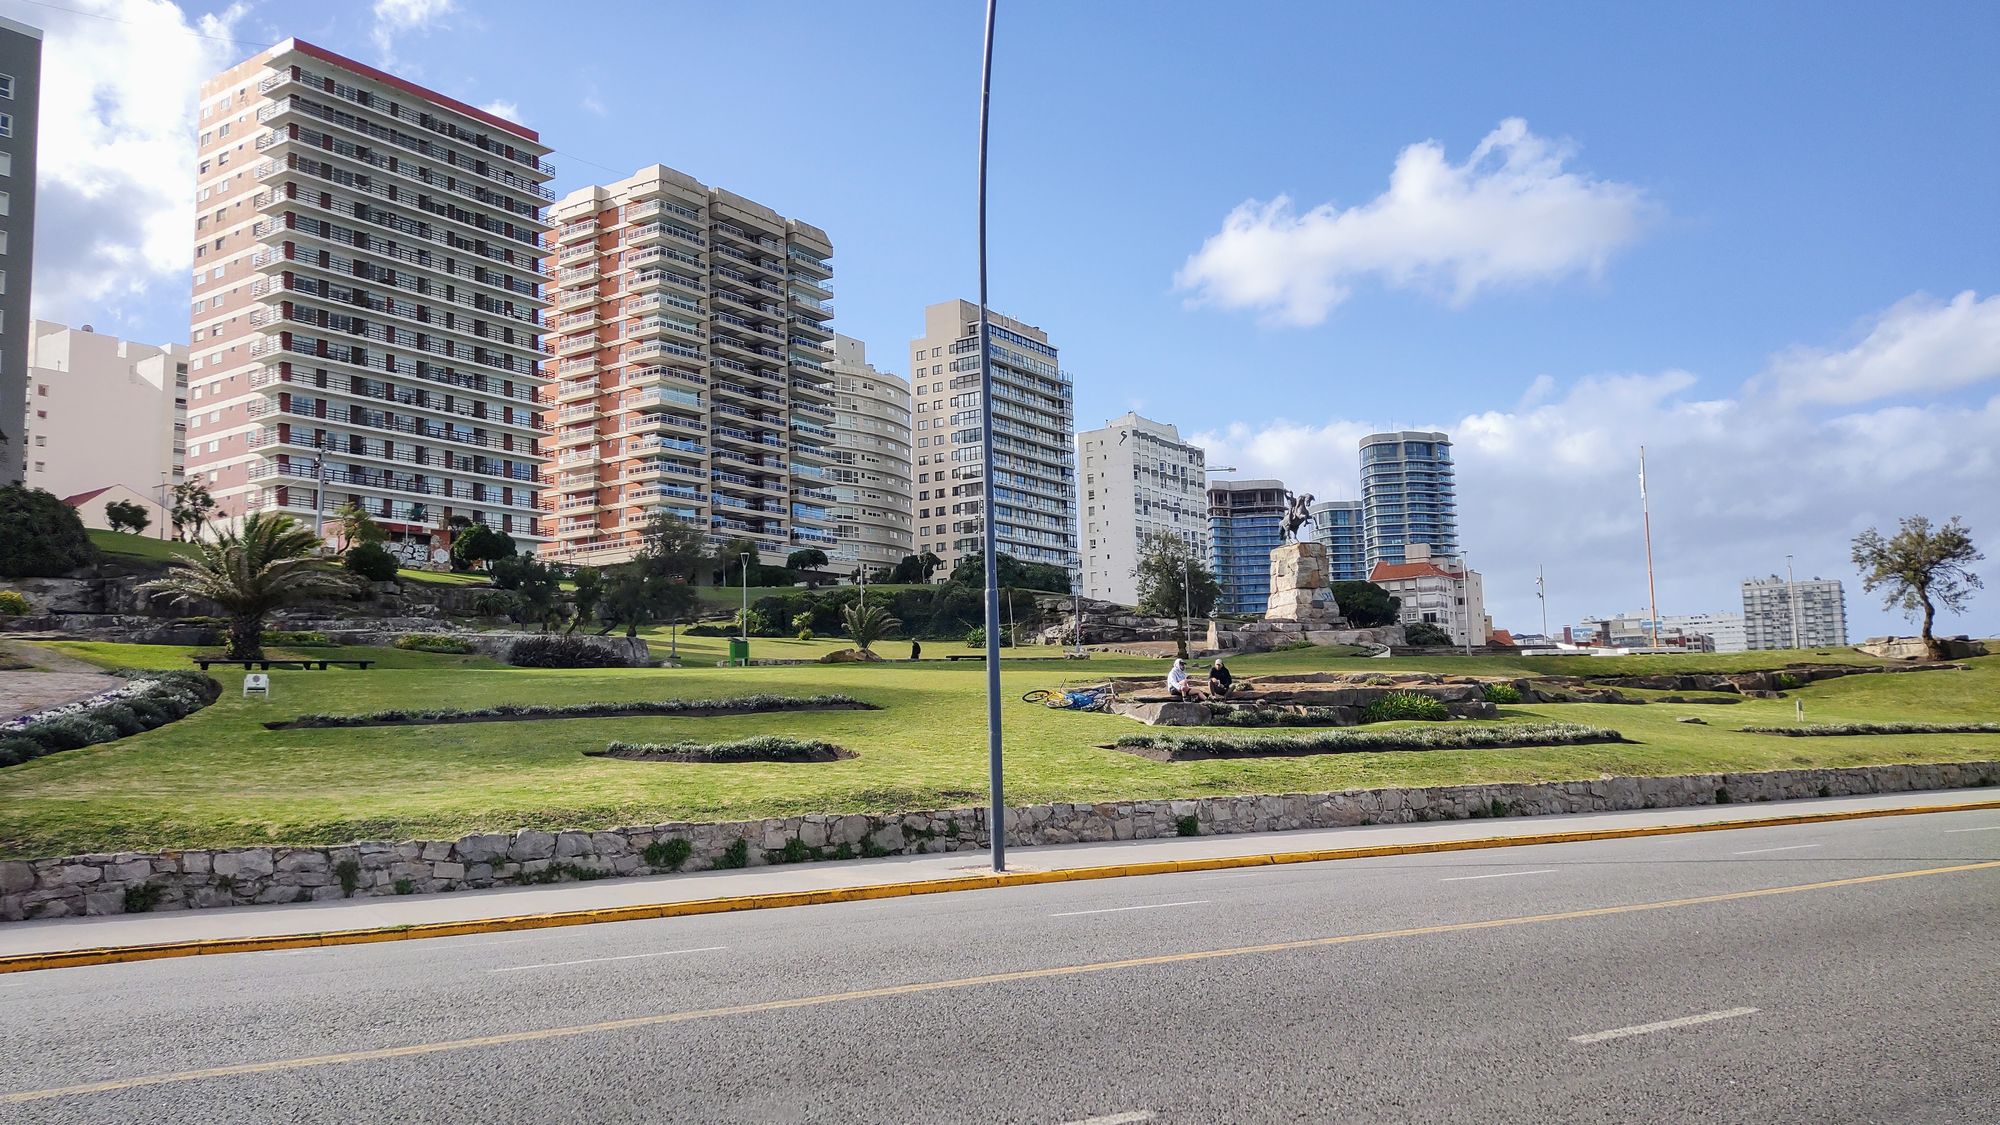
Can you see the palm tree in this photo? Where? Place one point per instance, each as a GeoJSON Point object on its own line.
{"type": "Point", "coordinates": [272, 562]}
{"type": "Point", "coordinates": [867, 623]}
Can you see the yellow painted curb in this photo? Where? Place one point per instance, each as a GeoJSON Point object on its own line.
{"type": "Point", "coordinates": [111, 955]}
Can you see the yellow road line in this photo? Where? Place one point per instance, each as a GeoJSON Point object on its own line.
{"type": "Point", "coordinates": [120, 954]}
{"type": "Point", "coordinates": [606, 1026]}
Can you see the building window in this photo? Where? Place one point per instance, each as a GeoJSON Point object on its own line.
{"type": "Point", "coordinates": [6, 203]}
{"type": "Point", "coordinates": [6, 124]}
{"type": "Point", "coordinates": [7, 86]}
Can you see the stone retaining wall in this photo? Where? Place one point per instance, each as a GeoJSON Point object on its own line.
{"type": "Point", "coordinates": [103, 884]}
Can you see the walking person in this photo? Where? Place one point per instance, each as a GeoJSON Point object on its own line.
{"type": "Point", "coordinates": [916, 650]}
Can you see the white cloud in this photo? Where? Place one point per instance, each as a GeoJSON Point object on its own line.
{"type": "Point", "coordinates": [1919, 345]}
{"type": "Point", "coordinates": [1736, 483]}
{"type": "Point", "coordinates": [117, 151]}
{"type": "Point", "coordinates": [501, 107]}
{"type": "Point", "coordinates": [394, 18]}
{"type": "Point", "coordinates": [591, 103]}
{"type": "Point", "coordinates": [1511, 214]}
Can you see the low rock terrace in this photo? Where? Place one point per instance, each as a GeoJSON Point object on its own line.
{"type": "Point", "coordinates": [1334, 698]}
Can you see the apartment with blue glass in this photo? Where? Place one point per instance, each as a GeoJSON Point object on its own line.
{"type": "Point", "coordinates": [1408, 495]}
{"type": "Point", "coordinates": [1337, 526]}
{"type": "Point", "coordinates": [1245, 524]}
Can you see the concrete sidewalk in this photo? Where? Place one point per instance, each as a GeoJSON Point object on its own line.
{"type": "Point", "coordinates": [126, 930]}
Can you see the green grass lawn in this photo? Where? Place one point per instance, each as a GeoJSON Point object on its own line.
{"type": "Point", "coordinates": [146, 545]}
{"type": "Point", "coordinates": [219, 778]}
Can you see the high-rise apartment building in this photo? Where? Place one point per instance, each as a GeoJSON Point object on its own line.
{"type": "Point", "coordinates": [1245, 524]}
{"type": "Point", "coordinates": [1139, 479]}
{"type": "Point", "coordinates": [367, 291]}
{"type": "Point", "coordinates": [1034, 458]}
{"type": "Point", "coordinates": [1779, 613]}
{"type": "Point", "coordinates": [1408, 495]}
{"type": "Point", "coordinates": [871, 462]}
{"type": "Point", "coordinates": [1337, 525]}
{"type": "Point", "coordinates": [691, 375]}
{"type": "Point", "coordinates": [20, 116]}
{"type": "Point", "coordinates": [104, 411]}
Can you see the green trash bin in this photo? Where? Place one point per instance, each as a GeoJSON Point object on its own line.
{"type": "Point", "coordinates": [739, 651]}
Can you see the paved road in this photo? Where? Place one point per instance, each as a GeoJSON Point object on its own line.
{"type": "Point", "coordinates": [1832, 972]}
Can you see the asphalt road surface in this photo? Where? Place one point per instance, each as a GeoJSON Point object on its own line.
{"type": "Point", "coordinates": [1829, 972]}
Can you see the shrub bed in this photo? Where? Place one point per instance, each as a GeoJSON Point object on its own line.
{"type": "Point", "coordinates": [1834, 729]}
{"type": "Point", "coordinates": [1187, 748]}
{"type": "Point", "coordinates": [514, 712]}
{"type": "Point", "coordinates": [432, 642]}
{"type": "Point", "coordinates": [1406, 705]}
{"type": "Point", "coordinates": [763, 748]}
{"type": "Point", "coordinates": [301, 638]}
{"type": "Point", "coordinates": [1225, 715]}
{"type": "Point", "coordinates": [558, 651]}
{"type": "Point", "coordinates": [153, 699]}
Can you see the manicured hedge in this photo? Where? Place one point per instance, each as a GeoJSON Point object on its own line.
{"type": "Point", "coordinates": [762, 748]}
{"type": "Point", "coordinates": [298, 638]}
{"type": "Point", "coordinates": [153, 699]}
{"type": "Point", "coordinates": [1408, 705]}
{"type": "Point", "coordinates": [1353, 741]}
{"type": "Point", "coordinates": [432, 642]}
{"type": "Point", "coordinates": [559, 651]}
{"type": "Point", "coordinates": [1821, 730]}
{"type": "Point", "coordinates": [738, 705]}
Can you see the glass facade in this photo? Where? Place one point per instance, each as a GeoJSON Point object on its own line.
{"type": "Point", "coordinates": [1408, 495]}
{"type": "Point", "coordinates": [1337, 525]}
{"type": "Point", "coordinates": [1245, 524]}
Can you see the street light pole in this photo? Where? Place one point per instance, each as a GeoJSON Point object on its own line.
{"type": "Point", "coordinates": [319, 486]}
{"type": "Point", "coordinates": [743, 623]}
{"type": "Point", "coordinates": [1542, 595]}
{"type": "Point", "coordinates": [997, 818]}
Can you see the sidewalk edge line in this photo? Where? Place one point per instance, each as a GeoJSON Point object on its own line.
{"type": "Point", "coordinates": [121, 954]}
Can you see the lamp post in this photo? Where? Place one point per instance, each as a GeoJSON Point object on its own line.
{"type": "Point", "coordinates": [743, 623]}
{"type": "Point", "coordinates": [1186, 609]}
{"type": "Point", "coordinates": [1792, 600]}
{"type": "Point", "coordinates": [997, 818]}
{"type": "Point", "coordinates": [319, 487]}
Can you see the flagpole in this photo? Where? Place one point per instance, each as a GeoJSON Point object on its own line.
{"type": "Point", "coordinates": [1646, 518]}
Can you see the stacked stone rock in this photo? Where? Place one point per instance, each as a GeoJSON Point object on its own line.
{"type": "Point", "coordinates": [97, 884]}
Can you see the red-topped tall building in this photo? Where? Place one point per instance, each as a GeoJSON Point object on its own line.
{"type": "Point", "coordinates": [367, 294]}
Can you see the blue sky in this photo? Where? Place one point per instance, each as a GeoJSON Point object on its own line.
{"type": "Point", "coordinates": [1733, 234]}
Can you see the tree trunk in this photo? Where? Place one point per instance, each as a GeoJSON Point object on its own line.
{"type": "Point", "coordinates": [1181, 637]}
{"type": "Point", "coordinates": [1931, 646]}
{"type": "Point", "coordinates": [246, 637]}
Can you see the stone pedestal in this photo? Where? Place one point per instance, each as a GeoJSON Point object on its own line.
{"type": "Point", "coordinates": [1302, 587]}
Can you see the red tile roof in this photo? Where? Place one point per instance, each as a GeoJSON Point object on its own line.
{"type": "Point", "coordinates": [82, 498]}
{"type": "Point", "coordinates": [1390, 572]}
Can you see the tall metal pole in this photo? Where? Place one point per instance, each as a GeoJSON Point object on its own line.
{"type": "Point", "coordinates": [1465, 596]}
{"type": "Point", "coordinates": [997, 822]}
{"type": "Point", "coordinates": [1792, 600]}
{"type": "Point", "coordinates": [1542, 594]}
{"type": "Point", "coordinates": [744, 622]}
{"type": "Point", "coordinates": [319, 484]}
{"type": "Point", "coordinates": [1076, 612]}
{"type": "Point", "coordinates": [1187, 608]}
{"type": "Point", "coordinates": [1646, 515]}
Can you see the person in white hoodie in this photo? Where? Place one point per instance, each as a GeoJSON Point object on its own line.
{"type": "Point", "coordinates": [1177, 679]}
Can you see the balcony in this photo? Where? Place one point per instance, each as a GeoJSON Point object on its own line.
{"type": "Point", "coordinates": [799, 258]}
{"type": "Point", "coordinates": [813, 389]}
{"type": "Point", "coordinates": [576, 298]}
{"type": "Point", "coordinates": [581, 365]}
{"type": "Point", "coordinates": [646, 281]}
{"type": "Point", "coordinates": [576, 389]}
{"type": "Point", "coordinates": [577, 413]}
{"type": "Point", "coordinates": [577, 345]}
{"type": "Point", "coordinates": [653, 208]}
{"type": "Point", "coordinates": [575, 435]}
{"type": "Point", "coordinates": [570, 232]}
{"type": "Point", "coordinates": [663, 398]}
{"type": "Point", "coordinates": [746, 393]}
{"type": "Point", "coordinates": [655, 375]}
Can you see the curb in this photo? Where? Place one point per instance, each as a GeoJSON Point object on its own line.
{"type": "Point", "coordinates": [112, 955]}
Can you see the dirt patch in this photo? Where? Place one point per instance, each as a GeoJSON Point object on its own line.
{"type": "Point", "coordinates": [726, 753]}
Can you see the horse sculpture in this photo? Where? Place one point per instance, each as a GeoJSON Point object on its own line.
{"type": "Point", "coordinates": [1298, 516]}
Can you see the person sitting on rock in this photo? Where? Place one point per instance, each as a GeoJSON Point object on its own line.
{"type": "Point", "coordinates": [1177, 679]}
{"type": "Point", "coordinates": [1220, 681]}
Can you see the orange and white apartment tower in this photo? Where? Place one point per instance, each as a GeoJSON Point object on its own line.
{"type": "Point", "coordinates": [367, 290]}
{"type": "Point", "coordinates": [690, 371]}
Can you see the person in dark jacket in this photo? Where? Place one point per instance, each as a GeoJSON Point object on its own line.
{"type": "Point", "coordinates": [1220, 681]}
{"type": "Point", "coordinates": [916, 650]}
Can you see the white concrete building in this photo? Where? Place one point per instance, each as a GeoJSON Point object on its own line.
{"type": "Point", "coordinates": [1138, 479]}
{"type": "Point", "coordinates": [104, 411]}
{"type": "Point", "coordinates": [1437, 591]}
{"type": "Point", "coordinates": [367, 299]}
{"type": "Point", "coordinates": [871, 462]}
{"type": "Point", "coordinates": [1034, 452]}
{"type": "Point", "coordinates": [1725, 630]}
{"type": "Point", "coordinates": [1779, 613]}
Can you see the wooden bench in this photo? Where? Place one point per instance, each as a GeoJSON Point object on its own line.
{"type": "Point", "coordinates": [265, 665]}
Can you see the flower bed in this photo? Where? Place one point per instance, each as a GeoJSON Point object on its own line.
{"type": "Point", "coordinates": [764, 748]}
{"type": "Point", "coordinates": [1197, 747]}
{"type": "Point", "coordinates": [1822, 730]}
{"type": "Point", "coordinates": [519, 712]}
{"type": "Point", "coordinates": [152, 699]}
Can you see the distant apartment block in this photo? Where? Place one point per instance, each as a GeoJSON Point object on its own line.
{"type": "Point", "coordinates": [1638, 631]}
{"type": "Point", "coordinates": [1724, 630]}
{"type": "Point", "coordinates": [20, 116]}
{"type": "Point", "coordinates": [1809, 613]}
{"type": "Point", "coordinates": [1408, 495]}
{"type": "Point", "coordinates": [1438, 591]}
{"type": "Point", "coordinates": [871, 462]}
{"type": "Point", "coordinates": [1245, 524]}
{"type": "Point", "coordinates": [1139, 479]}
{"type": "Point", "coordinates": [690, 372]}
{"type": "Point", "coordinates": [1338, 525]}
{"type": "Point", "coordinates": [104, 411]}
{"type": "Point", "coordinates": [367, 298]}
{"type": "Point", "coordinates": [1034, 458]}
